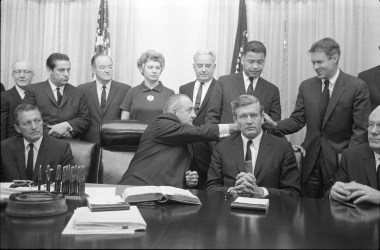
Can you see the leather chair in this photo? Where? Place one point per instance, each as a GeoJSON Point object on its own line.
{"type": "Point", "coordinates": [86, 154]}
{"type": "Point", "coordinates": [119, 140]}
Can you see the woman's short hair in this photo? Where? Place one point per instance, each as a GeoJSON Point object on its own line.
{"type": "Point", "coordinates": [151, 55]}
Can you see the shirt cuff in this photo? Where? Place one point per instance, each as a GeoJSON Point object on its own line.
{"type": "Point", "coordinates": [266, 193]}
{"type": "Point", "coordinates": [224, 130]}
{"type": "Point", "coordinates": [69, 128]}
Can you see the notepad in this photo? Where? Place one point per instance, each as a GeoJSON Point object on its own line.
{"type": "Point", "coordinates": [251, 204]}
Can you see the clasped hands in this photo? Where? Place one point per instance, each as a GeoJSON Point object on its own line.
{"type": "Point", "coordinates": [191, 178]}
{"type": "Point", "coordinates": [60, 130]}
{"type": "Point", "coordinates": [354, 192]}
{"type": "Point", "coordinates": [246, 184]}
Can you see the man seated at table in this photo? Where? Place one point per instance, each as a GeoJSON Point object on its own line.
{"type": "Point", "coordinates": [162, 157]}
{"type": "Point", "coordinates": [21, 154]}
{"type": "Point", "coordinates": [269, 166]}
{"type": "Point", "coordinates": [358, 178]}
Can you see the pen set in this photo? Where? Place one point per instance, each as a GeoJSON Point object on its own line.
{"type": "Point", "coordinates": [69, 180]}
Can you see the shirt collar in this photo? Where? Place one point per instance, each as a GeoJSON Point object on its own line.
{"type": "Point", "coordinates": [246, 78]}
{"type": "Point", "coordinates": [20, 91]}
{"type": "Point", "coordinates": [255, 141]}
{"type": "Point", "coordinates": [333, 79]}
{"type": "Point", "coordinates": [54, 88]}
{"type": "Point", "coordinates": [197, 82]}
{"type": "Point", "coordinates": [157, 88]}
{"type": "Point", "coordinates": [100, 85]}
{"type": "Point", "coordinates": [377, 158]}
{"type": "Point", "coordinates": [36, 144]}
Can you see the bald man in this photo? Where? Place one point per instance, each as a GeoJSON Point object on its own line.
{"type": "Point", "coordinates": [22, 73]}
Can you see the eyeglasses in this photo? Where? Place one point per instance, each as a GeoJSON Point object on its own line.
{"type": "Point", "coordinates": [18, 72]}
{"type": "Point", "coordinates": [372, 125]}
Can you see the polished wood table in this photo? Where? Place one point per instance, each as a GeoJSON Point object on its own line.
{"type": "Point", "coordinates": [289, 223]}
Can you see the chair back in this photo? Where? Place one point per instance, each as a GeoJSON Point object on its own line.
{"type": "Point", "coordinates": [119, 140]}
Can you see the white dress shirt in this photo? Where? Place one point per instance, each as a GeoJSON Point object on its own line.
{"type": "Point", "coordinates": [205, 87]}
{"type": "Point", "coordinates": [332, 81]}
{"type": "Point", "coordinates": [20, 91]}
{"type": "Point", "coordinates": [54, 89]}
{"type": "Point", "coordinates": [247, 82]}
{"type": "Point", "coordinates": [99, 90]}
{"type": "Point", "coordinates": [377, 158]}
{"type": "Point", "coordinates": [36, 148]}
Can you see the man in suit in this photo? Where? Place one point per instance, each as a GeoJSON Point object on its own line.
{"type": "Point", "coordinates": [63, 106]}
{"type": "Point", "coordinates": [22, 73]}
{"type": "Point", "coordinates": [162, 157]}
{"type": "Point", "coordinates": [103, 96]}
{"type": "Point", "coordinates": [253, 161]}
{"type": "Point", "coordinates": [358, 178]}
{"type": "Point", "coordinates": [21, 154]}
{"type": "Point", "coordinates": [199, 92]}
{"type": "Point", "coordinates": [229, 87]}
{"type": "Point", "coordinates": [372, 78]}
{"type": "Point", "coordinates": [335, 108]}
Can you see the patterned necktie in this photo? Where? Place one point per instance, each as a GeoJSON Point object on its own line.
{"type": "Point", "coordinates": [198, 98]}
{"type": "Point", "coordinates": [103, 99]}
{"type": "Point", "coordinates": [29, 164]}
{"type": "Point", "coordinates": [324, 101]}
{"type": "Point", "coordinates": [250, 86]}
{"type": "Point", "coordinates": [59, 97]}
{"type": "Point", "coordinates": [248, 158]}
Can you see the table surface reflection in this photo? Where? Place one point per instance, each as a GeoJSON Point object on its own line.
{"type": "Point", "coordinates": [289, 223]}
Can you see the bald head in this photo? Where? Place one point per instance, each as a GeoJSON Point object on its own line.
{"type": "Point", "coordinates": [22, 73]}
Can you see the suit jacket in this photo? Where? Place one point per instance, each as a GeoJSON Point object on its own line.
{"type": "Point", "coordinates": [344, 123]}
{"type": "Point", "coordinates": [2, 87]}
{"type": "Point", "coordinates": [52, 152]}
{"type": "Point", "coordinates": [229, 87]}
{"type": "Point", "coordinates": [372, 78]}
{"type": "Point", "coordinates": [73, 107]}
{"type": "Point", "coordinates": [276, 166]}
{"type": "Point", "coordinates": [188, 89]}
{"type": "Point", "coordinates": [10, 99]}
{"type": "Point", "coordinates": [112, 110]}
{"type": "Point", "coordinates": [162, 157]}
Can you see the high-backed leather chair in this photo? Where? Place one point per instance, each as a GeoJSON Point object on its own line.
{"type": "Point", "coordinates": [119, 140]}
{"type": "Point", "coordinates": [86, 154]}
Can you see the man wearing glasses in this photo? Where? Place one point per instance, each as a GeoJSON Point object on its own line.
{"type": "Point", "coordinates": [358, 178]}
{"type": "Point", "coordinates": [253, 162]}
{"type": "Point", "coordinates": [22, 73]}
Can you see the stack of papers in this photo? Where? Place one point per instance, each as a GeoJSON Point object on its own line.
{"type": "Point", "coordinates": [251, 204]}
{"type": "Point", "coordinates": [104, 199]}
{"type": "Point", "coordinates": [84, 221]}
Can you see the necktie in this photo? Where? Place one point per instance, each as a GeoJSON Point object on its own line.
{"type": "Point", "coordinates": [198, 98]}
{"type": "Point", "coordinates": [378, 177]}
{"type": "Point", "coordinates": [250, 86]}
{"type": "Point", "coordinates": [59, 97]}
{"type": "Point", "coordinates": [324, 101]}
{"type": "Point", "coordinates": [29, 164]}
{"type": "Point", "coordinates": [103, 99]}
{"type": "Point", "coordinates": [248, 158]}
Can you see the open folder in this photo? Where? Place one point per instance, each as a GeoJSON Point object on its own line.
{"type": "Point", "coordinates": [84, 221]}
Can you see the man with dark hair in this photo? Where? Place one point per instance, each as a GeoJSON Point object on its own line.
{"type": "Point", "coordinates": [334, 106]}
{"type": "Point", "coordinates": [229, 87]}
{"type": "Point", "coordinates": [162, 157]}
{"type": "Point", "coordinates": [104, 96]}
{"type": "Point", "coordinates": [63, 106]}
{"type": "Point", "coordinates": [253, 162]}
{"type": "Point", "coordinates": [22, 73]}
{"type": "Point", "coordinates": [21, 154]}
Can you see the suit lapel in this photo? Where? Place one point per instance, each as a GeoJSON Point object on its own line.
{"type": "Point", "coordinates": [189, 91]}
{"type": "Point", "coordinates": [262, 155]}
{"type": "Point", "coordinates": [259, 89]}
{"type": "Point", "coordinates": [369, 166]}
{"type": "Point", "coordinates": [95, 98]}
{"type": "Point", "coordinates": [336, 94]}
{"type": "Point", "coordinates": [240, 88]}
{"type": "Point", "coordinates": [41, 157]}
{"type": "Point", "coordinates": [67, 92]}
{"type": "Point", "coordinates": [316, 87]}
{"type": "Point", "coordinates": [207, 96]}
{"type": "Point", "coordinates": [21, 157]}
{"type": "Point", "coordinates": [237, 148]}
{"type": "Point", "coordinates": [49, 93]}
{"type": "Point", "coordinates": [15, 95]}
{"type": "Point", "coordinates": [377, 77]}
{"type": "Point", "coordinates": [111, 95]}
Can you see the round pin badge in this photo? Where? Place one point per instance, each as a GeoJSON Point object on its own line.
{"type": "Point", "coordinates": [150, 98]}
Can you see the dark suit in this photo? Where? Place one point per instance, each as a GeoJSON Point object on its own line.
{"type": "Point", "coordinates": [2, 87]}
{"type": "Point", "coordinates": [73, 107]}
{"type": "Point", "coordinates": [162, 157]}
{"type": "Point", "coordinates": [344, 123]}
{"type": "Point", "coordinates": [112, 110]}
{"type": "Point", "coordinates": [52, 152]}
{"type": "Point", "coordinates": [372, 78]}
{"type": "Point", "coordinates": [358, 164]}
{"type": "Point", "coordinates": [229, 87]}
{"type": "Point", "coordinates": [201, 151]}
{"type": "Point", "coordinates": [276, 166]}
{"type": "Point", "coordinates": [10, 99]}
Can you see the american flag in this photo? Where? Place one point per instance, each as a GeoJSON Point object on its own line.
{"type": "Point", "coordinates": [102, 30]}
{"type": "Point", "coordinates": [241, 38]}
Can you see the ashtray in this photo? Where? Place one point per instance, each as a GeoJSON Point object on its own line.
{"type": "Point", "coordinates": [35, 204]}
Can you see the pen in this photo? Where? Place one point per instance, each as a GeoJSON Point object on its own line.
{"type": "Point", "coordinates": [48, 178]}
{"type": "Point", "coordinates": [39, 178]}
{"type": "Point", "coordinates": [58, 176]}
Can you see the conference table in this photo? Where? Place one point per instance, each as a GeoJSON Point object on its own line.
{"type": "Point", "coordinates": [290, 222]}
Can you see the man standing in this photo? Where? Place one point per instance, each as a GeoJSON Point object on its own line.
{"type": "Point", "coordinates": [162, 157]}
{"type": "Point", "coordinates": [22, 73]}
{"type": "Point", "coordinates": [252, 161]}
{"type": "Point", "coordinates": [103, 96]}
{"type": "Point", "coordinates": [199, 92]}
{"type": "Point", "coordinates": [63, 107]}
{"type": "Point", "coordinates": [335, 108]}
{"type": "Point", "coordinates": [372, 78]}
{"type": "Point", "coordinates": [358, 178]}
{"type": "Point", "coordinates": [21, 154]}
{"type": "Point", "coordinates": [229, 87]}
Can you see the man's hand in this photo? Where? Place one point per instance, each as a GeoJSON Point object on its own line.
{"type": "Point", "coordinates": [60, 130]}
{"type": "Point", "coordinates": [247, 182]}
{"type": "Point", "coordinates": [339, 193]}
{"type": "Point", "coordinates": [269, 122]}
{"type": "Point", "coordinates": [297, 148]}
{"type": "Point", "coordinates": [362, 193]}
{"type": "Point", "coordinates": [191, 178]}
